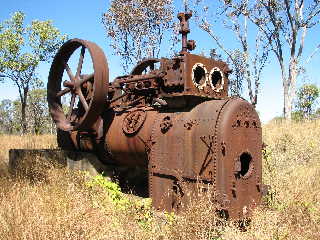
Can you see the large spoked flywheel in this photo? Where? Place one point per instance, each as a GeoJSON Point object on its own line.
{"type": "Point", "coordinates": [84, 93]}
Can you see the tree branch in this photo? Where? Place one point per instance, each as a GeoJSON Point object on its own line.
{"type": "Point", "coordinates": [286, 3]}
{"type": "Point", "coordinates": [303, 35]}
{"type": "Point", "coordinates": [312, 54]}
{"type": "Point", "coordinates": [314, 12]}
{"type": "Point", "coordinates": [220, 45]}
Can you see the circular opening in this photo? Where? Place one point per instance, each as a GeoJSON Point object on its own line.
{"type": "Point", "coordinates": [245, 161]}
{"type": "Point", "coordinates": [199, 75]}
{"type": "Point", "coordinates": [216, 79]}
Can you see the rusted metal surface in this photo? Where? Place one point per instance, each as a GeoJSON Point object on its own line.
{"type": "Point", "coordinates": [91, 89]}
{"type": "Point", "coordinates": [171, 117]}
{"type": "Point", "coordinates": [207, 145]}
{"type": "Point", "coordinates": [184, 31]}
{"type": "Point", "coordinates": [133, 121]}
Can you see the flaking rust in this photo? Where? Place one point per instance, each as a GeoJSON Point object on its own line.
{"type": "Point", "coordinates": [172, 117]}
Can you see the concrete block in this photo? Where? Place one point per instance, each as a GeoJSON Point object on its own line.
{"type": "Point", "coordinates": [35, 161]}
{"type": "Point", "coordinates": [34, 164]}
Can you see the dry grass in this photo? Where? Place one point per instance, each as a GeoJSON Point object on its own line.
{"type": "Point", "coordinates": [29, 141]}
{"type": "Point", "coordinates": [18, 142]}
{"type": "Point", "coordinates": [66, 207]}
{"type": "Point", "coordinates": [57, 210]}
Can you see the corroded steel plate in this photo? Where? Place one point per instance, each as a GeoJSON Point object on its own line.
{"type": "Point", "coordinates": [134, 121]}
{"type": "Point", "coordinates": [206, 145]}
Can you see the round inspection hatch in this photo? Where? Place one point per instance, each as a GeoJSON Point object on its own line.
{"type": "Point", "coordinates": [216, 79]}
{"type": "Point", "coordinates": [199, 75]}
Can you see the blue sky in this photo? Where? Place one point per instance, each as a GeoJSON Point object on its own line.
{"type": "Point", "coordinates": [82, 19]}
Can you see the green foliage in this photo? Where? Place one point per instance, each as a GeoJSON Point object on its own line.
{"type": "Point", "coordinates": [6, 116]}
{"type": "Point", "coordinates": [112, 189]}
{"type": "Point", "coordinates": [39, 119]}
{"type": "Point", "coordinates": [306, 103]}
{"type": "Point", "coordinates": [22, 49]}
{"type": "Point", "coordinates": [10, 117]}
{"type": "Point", "coordinates": [297, 116]}
{"type": "Point", "coordinates": [170, 217]}
{"type": "Point", "coordinates": [307, 97]}
{"type": "Point", "coordinates": [44, 39]}
{"type": "Point", "coordinates": [140, 208]}
{"type": "Point", "coordinates": [37, 115]}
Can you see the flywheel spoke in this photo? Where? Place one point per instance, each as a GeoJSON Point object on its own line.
{"type": "Point", "coordinates": [80, 61]}
{"type": "Point", "coordinates": [83, 100]}
{"type": "Point", "coordinates": [69, 72]}
{"type": "Point", "coordinates": [86, 78]}
{"type": "Point", "coordinates": [73, 98]}
{"type": "Point", "coordinates": [89, 91]}
{"type": "Point", "coordinates": [63, 92]}
{"type": "Point", "coordinates": [84, 106]}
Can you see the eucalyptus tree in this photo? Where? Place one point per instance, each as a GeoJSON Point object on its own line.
{"type": "Point", "coordinates": [249, 53]}
{"type": "Point", "coordinates": [38, 112]}
{"type": "Point", "coordinates": [137, 28]}
{"type": "Point", "coordinates": [22, 49]}
{"type": "Point", "coordinates": [285, 25]}
{"type": "Point", "coordinates": [6, 116]}
{"type": "Point", "coordinates": [307, 97]}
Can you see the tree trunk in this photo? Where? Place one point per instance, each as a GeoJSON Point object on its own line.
{"type": "Point", "coordinates": [23, 111]}
{"type": "Point", "coordinates": [290, 89]}
{"type": "Point", "coordinates": [23, 118]}
{"type": "Point", "coordinates": [287, 104]}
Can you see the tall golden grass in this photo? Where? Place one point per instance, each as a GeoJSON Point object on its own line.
{"type": "Point", "coordinates": [65, 206]}
{"type": "Point", "coordinates": [8, 142]}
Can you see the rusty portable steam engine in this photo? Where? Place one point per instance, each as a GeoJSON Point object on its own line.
{"type": "Point", "coordinates": [172, 117]}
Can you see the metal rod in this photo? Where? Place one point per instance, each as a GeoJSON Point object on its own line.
{"type": "Point", "coordinates": [117, 98]}
{"type": "Point", "coordinates": [142, 78]}
{"type": "Point", "coordinates": [137, 100]}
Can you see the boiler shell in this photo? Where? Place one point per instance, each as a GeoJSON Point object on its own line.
{"type": "Point", "coordinates": [217, 142]}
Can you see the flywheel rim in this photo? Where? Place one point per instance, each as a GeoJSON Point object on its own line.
{"type": "Point", "coordinates": [100, 85]}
